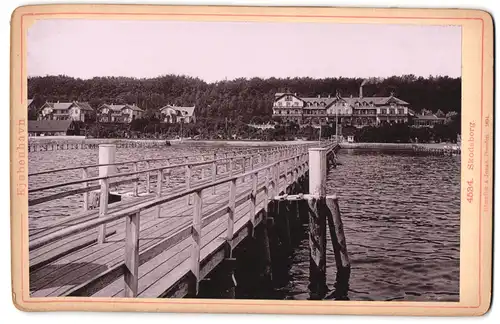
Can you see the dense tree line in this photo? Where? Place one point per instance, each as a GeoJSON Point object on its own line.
{"type": "Point", "coordinates": [247, 100]}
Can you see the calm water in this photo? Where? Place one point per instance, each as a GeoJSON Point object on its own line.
{"type": "Point", "coordinates": [400, 212]}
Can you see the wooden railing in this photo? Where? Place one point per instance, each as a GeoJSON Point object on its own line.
{"type": "Point", "coordinates": [105, 184]}
{"type": "Point", "coordinates": [289, 164]}
{"type": "Point", "coordinates": [88, 166]}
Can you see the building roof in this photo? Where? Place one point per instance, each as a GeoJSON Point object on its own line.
{"type": "Point", "coordinates": [134, 107]}
{"type": "Point", "coordinates": [112, 107]}
{"type": "Point", "coordinates": [29, 102]}
{"type": "Point", "coordinates": [327, 101]}
{"type": "Point", "coordinates": [66, 105]}
{"type": "Point", "coordinates": [182, 111]}
{"type": "Point", "coordinates": [428, 117]}
{"type": "Point", "coordinates": [84, 106]}
{"type": "Point", "coordinates": [117, 108]}
{"type": "Point", "coordinates": [57, 105]}
{"type": "Point", "coordinates": [350, 100]}
{"type": "Point", "coordinates": [375, 100]}
{"type": "Point", "coordinates": [48, 125]}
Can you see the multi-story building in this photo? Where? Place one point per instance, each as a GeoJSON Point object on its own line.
{"type": "Point", "coordinates": [76, 111]}
{"type": "Point", "coordinates": [355, 111]}
{"type": "Point", "coordinates": [119, 113]}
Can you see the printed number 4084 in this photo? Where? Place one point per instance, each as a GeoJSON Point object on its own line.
{"type": "Point", "coordinates": [470, 191]}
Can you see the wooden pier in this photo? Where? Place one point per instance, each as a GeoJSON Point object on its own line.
{"type": "Point", "coordinates": [164, 239]}
{"type": "Point", "coordinates": [54, 146]}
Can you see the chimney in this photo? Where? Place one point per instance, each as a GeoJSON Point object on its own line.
{"type": "Point", "coordinates": [361, 88]}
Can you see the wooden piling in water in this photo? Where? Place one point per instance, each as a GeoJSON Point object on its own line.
{"type": "Point", "coordinates": [332, 212]}
{"type": "Point", "coordinates": [317, 221]}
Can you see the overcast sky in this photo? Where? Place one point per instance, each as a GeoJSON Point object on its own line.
{"type": "Point", "coordinates": [217, 50]}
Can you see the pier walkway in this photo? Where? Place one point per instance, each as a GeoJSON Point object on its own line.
{"type": "Point", "coordinates": [163, 238]}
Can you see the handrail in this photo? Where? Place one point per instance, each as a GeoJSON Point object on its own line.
{"type": "Point", "coordinates": [119, 175]}
{"type": "Point", "coordinates": [135, 210]}
{"type": "Point", "coordinates": [143, 160]}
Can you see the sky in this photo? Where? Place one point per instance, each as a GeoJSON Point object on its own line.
{"type": "Point", "coordinates": [215, 51]}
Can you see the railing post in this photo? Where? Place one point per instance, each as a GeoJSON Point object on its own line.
{"type": "Point", "coordinates": [266, 190]}
{"type": "Point", "coordinates": [148, 180]}
{"type": "Point", "coordinates": [131, 275]}
{"type": "Point", "coordinates": [227, 162]}
{"type": "Point", "coordinates": [188, 183]}
{"type": "Point", "coordinates": [106, 156]}
{"type": "Point", "coordinates": [253, 200]}
{"type": "Point", "coordinates": [85, 175]}
{"type": "Point", "coordinates": [167, 174]}
{"type": "Point", "coordinates": [277, 178]}
{"type": "Point", "coordinates": [158, 191]}
{"type": "Point", "coordinates": [136, 182]}
{"type": "Point", "coordinates": [214, 173]}
{"type": "Point", "coordinates": [244, 168]}
{"type": "Point", "coordinates": [196, 246]}
{"type": "Point", "coordinates": [286, 163]}
{"type": "Point", "coordinates": [202, 168]}
{"type": "Point", "coordinates": [231, 166]}
{"type": "Point", "coordinates": [230, 219]}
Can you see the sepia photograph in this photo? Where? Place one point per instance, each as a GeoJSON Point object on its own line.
{"type": "Point", "coordinates": [244, 159]}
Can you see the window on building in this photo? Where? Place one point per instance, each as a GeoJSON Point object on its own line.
{"type": "Point", "coordinates": [280, 104]}
{"type": "Point", "coordinates": [401, 111]}
{"type": "Point", "coordinates": [288, 104]}
{"type": "Point", "coordinates": [392, 111]}
{"type": "Point", "coordinates": [383, 111]}
{"type": "Point", "coordinates": [288, 98]}
{"type": "Point", "coordinates": [296, 103]}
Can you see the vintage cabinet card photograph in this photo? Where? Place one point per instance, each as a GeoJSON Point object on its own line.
{"type": "Point", "coordinates": [252, 159]}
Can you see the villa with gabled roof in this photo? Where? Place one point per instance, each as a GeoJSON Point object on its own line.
{"type": "Point", "coordinates": [177, 114]}
{"type": "Point", "coordinates": [111, 113]}
{"type": "Point", "coordinates": [75, 110]}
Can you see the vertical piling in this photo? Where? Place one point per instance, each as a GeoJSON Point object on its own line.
{"type": "Point", "coordinates": [339, 244]}
{"type": "Point", "coordinates": [317, 222]}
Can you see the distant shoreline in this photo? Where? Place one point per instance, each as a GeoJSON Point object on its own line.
{"type": "Point", "coordinates": [395, 146]}
{"type": "Point", "coordinates": [82, 139]}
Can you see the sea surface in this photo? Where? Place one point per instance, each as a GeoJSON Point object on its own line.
{"type": "Point", "coordinates": [401, 217]}
{"type": "Point", "coordinates": [400, 210]}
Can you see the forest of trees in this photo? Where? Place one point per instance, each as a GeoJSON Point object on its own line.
{"type": "Point", "coordinates": [245, 99]}
{"type": "Point", "coordinates": [224, 108]}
